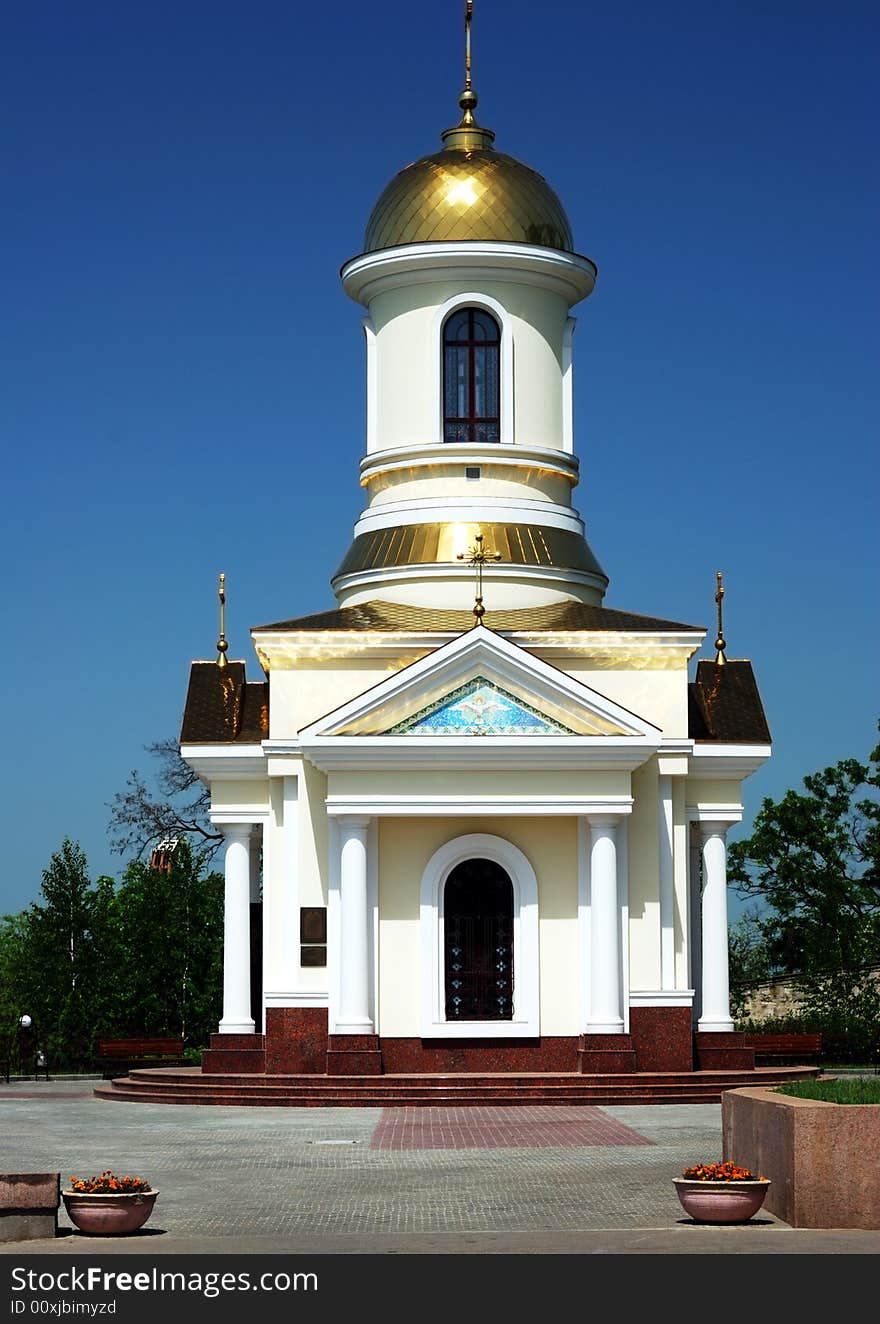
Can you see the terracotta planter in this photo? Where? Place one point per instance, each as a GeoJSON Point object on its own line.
{"type": "Point", "coordinates": [107, 1214]}
{"type": "Point", "coordinates": [721, 1201]}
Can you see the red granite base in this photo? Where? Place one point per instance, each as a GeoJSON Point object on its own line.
{"type": "Point", "coordinates": [296, 1040]}
{"type": "Point", "coordinates": [722, 1051]}
{"type": "Point", "coordinates": [445, 1055]}
{"type": "Point", "coordinates": [244, 1053]}
{"type": "Point", "coordinates": [662, 1038]}
{"type": "Point", "coordinates": [354, 1055]}
{"type": "Point", "coordinates": [606, 1054]}
{"type": "Point", "coordinates": [297, 1043]}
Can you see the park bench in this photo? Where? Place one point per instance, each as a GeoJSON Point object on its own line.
{"type": "Point", "coordinates": [119, 1056]}
{"type": "Point", "coordinates": [784, 1049]}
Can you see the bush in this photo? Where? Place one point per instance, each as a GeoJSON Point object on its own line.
{"type": "Point", "coordinates": [840, 1042]}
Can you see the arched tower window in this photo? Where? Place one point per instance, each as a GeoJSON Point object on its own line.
{"type": "Point", "coordinates": [471, 394]}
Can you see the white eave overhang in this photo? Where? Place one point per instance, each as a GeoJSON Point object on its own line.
{"type": "Point", "coordinates": [568, 274]}
{"type": "Point", "coordinates": [733, 762]}
{"type": "Point", "coordinates": [226, 762]}
{"type": "Point", "coordinates": [468, 753]}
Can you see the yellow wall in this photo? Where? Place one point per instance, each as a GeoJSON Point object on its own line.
{"type": "Point", "coordinates": [240, 794]}
{"type": "Point", "coordinates": [658, 696]}
{"type": "Point", "coordinates": [712, 792]}
{"type": "Point", "coordinates": [477, 785]}
{"type": "Point", "coordinates": [406, 846]}
{"type": "Point", "coordinates": [300, 697]}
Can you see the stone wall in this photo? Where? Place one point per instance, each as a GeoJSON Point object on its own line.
{"type": "Point", "coordinates": [779, 997]}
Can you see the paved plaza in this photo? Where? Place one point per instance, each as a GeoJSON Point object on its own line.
{"type": "Point", "coordinates": [396, 1180]}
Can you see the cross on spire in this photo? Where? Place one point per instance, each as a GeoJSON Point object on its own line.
{"type": "Point", "coordinates": [468, 15]}
{"type": "Point", "coordinates": [720, 642]}
{"type": "Point", "coordinates": [477, 557]}
{"type": "Point", "coordinates": [222, 645]}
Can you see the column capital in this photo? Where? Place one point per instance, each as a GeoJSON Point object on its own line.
{"type": "Point", "coordinates": [237, 831]}
{"type": "Point", "coordinates": [354, 820]}
{"type": "Point", "coordinates": [608, 818]}
{"type": "Point", "coordinates": [713, 827]}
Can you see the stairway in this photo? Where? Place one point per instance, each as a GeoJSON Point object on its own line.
{"type": "Point", "coordinates": [192, 1085]}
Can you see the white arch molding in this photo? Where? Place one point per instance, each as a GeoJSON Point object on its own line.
{"type": "Point", "coordinates": [525, 1022]}
{"type": "Point", "coordinates": [474, 299]}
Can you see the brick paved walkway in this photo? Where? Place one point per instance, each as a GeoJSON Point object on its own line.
{"type": "Point", "coordinates": [497, 1128]}
{"type": "Point", "coordinates": [351, 1180]}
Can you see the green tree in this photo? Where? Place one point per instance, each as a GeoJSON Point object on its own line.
{"type": "Point", "coordinates": [813, 859]}
{"type": "Point", "coordinates": [55, 962]}
{"type": "Point", "coordinates": [171, 939]}
{"type": "Point", "coordinates": [750, 963]}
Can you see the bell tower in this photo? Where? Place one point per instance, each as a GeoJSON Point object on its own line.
{"type": "Point", "coordinates": [467, 278]}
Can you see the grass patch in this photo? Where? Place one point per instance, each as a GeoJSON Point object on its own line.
{"type": "Point", "coordinates": [856, 1090]}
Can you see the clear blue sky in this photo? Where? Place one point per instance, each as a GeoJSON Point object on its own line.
{"type": "Point", "coordinates": [182, 376]}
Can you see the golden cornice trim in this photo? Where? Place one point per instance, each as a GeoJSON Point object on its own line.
{"type": "Point", "coordinates": [439, 544]}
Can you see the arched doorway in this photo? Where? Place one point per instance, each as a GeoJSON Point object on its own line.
{"type": "Point", "coordinates": [478, 913]}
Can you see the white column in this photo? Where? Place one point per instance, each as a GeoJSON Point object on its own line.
{"type": "Point", "coordinates": [694, 917]}
{"type": "Point", "coordinates": [237, 1017]}
{"type": "Point", "coordinates": [354, 969]}
{"type": "Point", "coordinates": [667, 918]}
{"type": "Point", "coordinates": [716, 985]}
{"type": "Point", "coordinates": [605, 977]}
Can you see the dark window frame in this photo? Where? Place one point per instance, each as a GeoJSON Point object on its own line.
{"type": "Point", "coordinates": [472, 423]}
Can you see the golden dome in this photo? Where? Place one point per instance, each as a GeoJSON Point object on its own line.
{"type": "Point", "coordinates": [468, 191]}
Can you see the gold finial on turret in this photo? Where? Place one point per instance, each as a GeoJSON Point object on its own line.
{"type": "Point", "coordinates": [468, 98]}
{"type": "Point", "coordinates": [720, 642]}
{"type": "Point", "coordinates": [477, 557]}
{"type": "Point", "coordinates": [468, 136]}
{"type": "Point", "coordinates": [222, 645]}
{"type": "Point", "coordinates": [468, 16]}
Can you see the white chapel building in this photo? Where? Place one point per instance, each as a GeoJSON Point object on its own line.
{"type": "Point", "coordinates": [474, 818]}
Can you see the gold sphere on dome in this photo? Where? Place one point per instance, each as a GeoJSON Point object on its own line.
{"type": "Point", "coordinates": [468, 191]}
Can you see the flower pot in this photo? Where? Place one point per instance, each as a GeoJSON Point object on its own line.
{"type": "Point", "coordinates": [721, 1201]}
{"type": "Point", "coordinates": [106, 1214]}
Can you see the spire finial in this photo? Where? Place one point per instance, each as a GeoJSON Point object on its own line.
{"type": "Point", "coordinates": [468, 16]}
{"type": "Point", "coordinates": [720, 642]}
{"type": "Point", "coordinates": [222, 645]}
{"type": "Point", "coordinates": [477, 557]}
{"type": "Point", "coordinates": [468, 98]}
{"type": "Point", "coordinates": [468, 136]}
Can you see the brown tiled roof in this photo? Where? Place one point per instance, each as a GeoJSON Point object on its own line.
{"type": "Point", "coordinates": [222, 706]}
{"type": "Point", "coordinates": [395, 616]}
{"type": "Point", "coordinates": [724, 705]}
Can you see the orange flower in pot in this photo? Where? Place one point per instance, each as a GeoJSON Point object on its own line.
{"type": "Point", "coordinates": [109, 1205]}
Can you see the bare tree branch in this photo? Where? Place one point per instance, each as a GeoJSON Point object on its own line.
{"type": "Point", "coordinates": [140, 818]}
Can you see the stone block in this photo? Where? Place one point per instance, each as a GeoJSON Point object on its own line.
{"type": "Point", "coordinates": [822, 1158]}
{"type": "Point", "coordinates": [29, 1205]}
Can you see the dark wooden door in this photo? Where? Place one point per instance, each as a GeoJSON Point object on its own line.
{"type": "Point", "coordinates": [478, 942]}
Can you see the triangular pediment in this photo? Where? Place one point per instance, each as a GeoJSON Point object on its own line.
{"type": "Point", "coordinates": [480, 684]}
{"type": "Point", "coordinates": [479, 708]}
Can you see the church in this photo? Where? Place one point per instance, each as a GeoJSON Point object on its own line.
{"type": "Point", "coordinates": [474, 819]}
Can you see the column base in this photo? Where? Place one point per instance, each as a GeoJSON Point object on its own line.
{"type": "Point", "coordinates": [354, 1055]}
{"type": "Point", "coordinates": [721, 1051]}
{"type": "Point", "coordinates": [606, 1055]}
{"type": "Point", "coordinates": [237, 1027]}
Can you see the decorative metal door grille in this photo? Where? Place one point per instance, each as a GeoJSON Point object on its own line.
{"type": "Point", "coordinates": [478, 942]}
